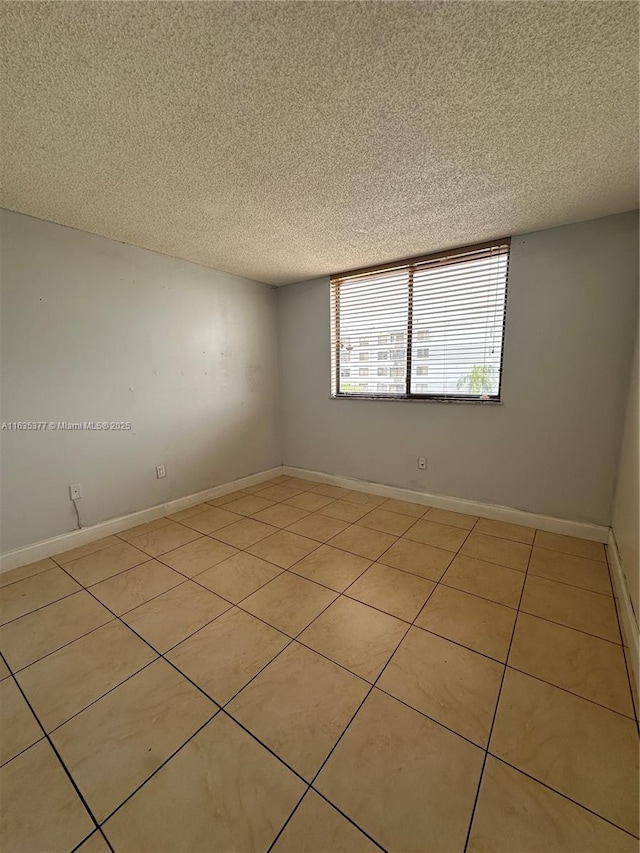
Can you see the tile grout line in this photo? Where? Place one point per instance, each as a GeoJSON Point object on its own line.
{"type": "Point", "coordinates": [564, 796]}
{"type": "Point", "coordinates": [626, 664]}
{"type": "Point", "coordinates": [216, 704]}
{"type": "Point", "coordinates": [55, 751]}
{"type": "Point", "coordinates": [295, 639]}
{"type": "Point", "coordinates": [495, 712]}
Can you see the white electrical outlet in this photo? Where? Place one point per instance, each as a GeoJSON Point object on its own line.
{"type": "Point", "coordinates": [160, 472]}
{"type": "Point", "coordinates": [422, 463]}
{"type": "Point", "coordinates": [75, 492]}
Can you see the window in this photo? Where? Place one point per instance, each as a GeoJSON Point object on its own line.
{"type": "Point", "coordinates": [455, 300]}
{"type": "Point", "coordinates": [382, 371]}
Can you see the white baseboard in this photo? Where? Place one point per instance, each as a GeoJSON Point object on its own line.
{"type": "Point", "coordinates": [49, 547]}
{"type": "Point", "coordinates": [583, 530]}
{"type": "Point", "coordinates": [628, 622]}
{"type": "Point", "coordinates": [58, 544]}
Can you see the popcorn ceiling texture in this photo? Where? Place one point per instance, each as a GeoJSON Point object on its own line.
{"type": "Point", "coordinates": [283, 141]}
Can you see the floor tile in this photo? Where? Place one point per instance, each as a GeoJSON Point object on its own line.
{"type": "Point", "coordinates": [316, 827]}
{"type": "Point", "coordinates": [212, 520]}
{"type": "Point", "coordinates": [418, 783]}
{"type": "Point", "coordinates": [141, 529]}
{"type": "Point", "coordinates": [171, 617]}
{"type": "Point", "coordinates": [105, 563]}
{"type": "Point", "coordinates": [189, 511]}
{"type": "Point", "coordinates": [289, 602]}
{"type": "Point", "coordinates": [517, 813]}
{"type": "Point", "coordinates": [226, 654]}
{"type": "Point", "coordinates": [387, 522]}
{"type": "Point", "coordinates": [419, 559]}
{"type": "Point", "coordinates": [132, 588]}
{"type": "Point", "coordinates": [66, 681]}
{"type": "Point", "coordinates": [165, 538]}
{"type": "Point", "coordinates": [330, 491]}
{"type": "Point", "coordinates": [4, 670]}
{"type": "Point", "coordinates": [364, 498]}
{"type": "Point", "coordinates": [573, 607]}
{"type": "Point", "coordinates": [299, 483]}
{"type": "Point", "coordinates": [94, 844]}
{"type": "Point", "coordinates": [40, 809]}
{"type": "Point", "coordinates": [579, 749]}
{"type": "Point", "coordinates": [481, 625]}
{"type": "Point", "coordinates": [439, 535]}
{"type": "Point", "coordinates": [119, 741]}
{"type": "Point", "coordinates": [514, 555]}
{"type": "Point", "coordinates": [33, 636]}
{"type": "Point", "coordinates": [239, 576]}
{"type": "Point", "coordinates": [447, 682]}
{"type": "Point", "coordinates": [318, 527]}
{"type": "Point", "coordinates": [356, 636]}
{"type": "Point", "coordinates": [497, 583]}
{"type": "Point", "coordinates": [404, 508]}
{"type": "Point", "coordinates": [310, 501]}
{"type": "Point", "coordinates": [279, 493]}
{"type": "Point", "coordinates": [363, 542]}
{"type": "Point", "coordinates": [455, 519]}
{"type": "Point", "coordinates": [505, 530]}
{"type": "Point", "coordinates": [283, 548]}
{"type": "Point", "coordinates": [26, 571]}
{"type": "Point", "coordinates": [586, 665]}
{"type": "Point", "coordinates": [19, 729]}
{"type": "Point", "coordinates": [32, 593]}
{"type": "Point", "coordinates": [391, 590]}
{"type": "Point", "coordinates": [252, 791]}
{"type": "Point", "coordinates": [74, 554]}
{"type": "Point", "coordinates": [298, 706]}
{"type": "Point", "coordinates": [198, 556]}
{"type": "Point", "coordinates": [331, 567]}
{"type": "Point", "coordinates": [571, 545]}
{"type": "Point", "coordinates": [248, 505]}
{"type": "Point", "coordinates": [345, 511]}
{"type": "Point", "coordinates": [281, 515]}
{"type": "Point", "coordinates": [243, 534]}
{"type": "Point", "coordinates": [565, 568]}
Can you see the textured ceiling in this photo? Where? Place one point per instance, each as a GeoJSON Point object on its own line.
{"type": "Point", "coordinates": [287, 140]}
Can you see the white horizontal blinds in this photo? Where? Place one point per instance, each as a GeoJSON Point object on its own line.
{"type": "Point", "coordinates": [457, 324]}
{"type": "Point", "coordinates": [430, 326]}
{"type": "Point", "coordinates": [370, 327]}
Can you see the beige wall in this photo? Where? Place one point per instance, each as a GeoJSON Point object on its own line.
{"type": "Point", "coordinates": [96, 330]}
{"type": "Point", "coordinates": [552, 447]}
{"type": "Point", "coordinates": [626, 510]}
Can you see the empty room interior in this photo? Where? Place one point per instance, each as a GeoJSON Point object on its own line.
{"type": "Point", "coordinates": [319, 427]}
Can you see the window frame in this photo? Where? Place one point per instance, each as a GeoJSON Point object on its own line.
{"type": "Point", "coordinates": [448, 257]}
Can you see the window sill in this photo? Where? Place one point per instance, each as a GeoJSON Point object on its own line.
{"type": "Point", "coordinates": [445, 400]}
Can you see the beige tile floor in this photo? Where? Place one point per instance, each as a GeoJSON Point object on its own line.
{"type": "Point", "coordinates": [300, 667]}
